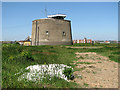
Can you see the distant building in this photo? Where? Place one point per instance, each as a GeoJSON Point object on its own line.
{"type": "Point", "coordinates": [74, 41]}
{"type": "Point", "coordinates": [7, 42]}
{"type": "Point", "coordinates": [85, 40]}
{"type": "Point", "coordinates": [113, 41]}
{"type": "Point", "coordinates": [21, 42]}
{"type": "Point", "coordinates": [101, 41]}
{"type": "Point", "coordinates": [107, 41]}
{"type": "Point", "coordinates": [95, 41]}
{"type": "Point", "coordinates": [81, 41]}
{"type": "Point", "coordinates": [89, 41]}
{"type": "Point", "coordinates": [26, 42]}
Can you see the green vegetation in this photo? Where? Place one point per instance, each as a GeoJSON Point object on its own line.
{"type": "Point", "coordinates": [84, 63]}
{"type": "Point", "coordinates": [68, 72]}
{"type": "Point", "coordinates": [81, 57]}
{"type": "Point", "coordinates": [96, 44]}
{"type": "Point", "coordinates": [99, 62]}
{"type": "Point", "coordinates": [16, 57]}
{"type": "Point", "coordinates": [86, 85]}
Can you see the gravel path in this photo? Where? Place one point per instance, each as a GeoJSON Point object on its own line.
{"type": "Point", "coordinates": [95, 71]}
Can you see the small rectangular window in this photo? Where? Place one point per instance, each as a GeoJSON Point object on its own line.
{"type": "Point", "coordinates": [46, 32]}
{"type": "Point", "coordinates": [64, 33]}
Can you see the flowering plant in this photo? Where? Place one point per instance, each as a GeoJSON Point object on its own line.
{"type": "Point", "coordinates": [40, 72]}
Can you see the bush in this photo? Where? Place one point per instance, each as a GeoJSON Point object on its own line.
{"type": "Point", "coordinates": [68, 72]}
{"type": "Point", "coordinates": [26, 54]}
{"type": "Point", "coordinates": [11, 57]}
{"type": "Point", "coordinates": [17, 43]}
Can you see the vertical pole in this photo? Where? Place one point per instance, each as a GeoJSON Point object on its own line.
{"type": "Point", "coordinates": [45, 12]}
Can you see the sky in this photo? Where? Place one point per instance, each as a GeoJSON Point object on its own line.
{"type": "Point", "coordinates": [93, 20]}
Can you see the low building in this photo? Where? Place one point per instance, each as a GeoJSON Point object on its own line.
{"type": "Point", "coordinates": [21, 42]}
{"type": "Point", "coordinates": [81, 41]}
{"type": "Point", "coordinates": [113, 41]}
{"type": "Point", "coordinates": [8, 42]}
{"type": "Point", "coordinates": [74, 41]}
{"type": "Point", "coordinates": [85, 40]}
{"type": "Point", "coordinates": [89, 41]}
{"type": "Point", "coordinates": [107, 41]}
{"type": "Point", "coordinates": [99, 41]}
{"type": "Point", "coordinates": [27, 43]}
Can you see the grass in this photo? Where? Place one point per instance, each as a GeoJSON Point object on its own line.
{"type": "Point", "coordinates": [93, 72]}
{"type": "Point", "coordinates": [99, 62]}
{"type": "Point", "coordinates": [15, 58]}
{"type": "Point", "coordinates": [86, 85]}
{"type": "Point", "coordinates": [84, 63]}
{"type": "Point", "coordinates": [81, 57]}
{"type": "Point", "coordinates": [79, 69]}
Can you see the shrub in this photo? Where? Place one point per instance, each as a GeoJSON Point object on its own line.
{"type": "Point", "coordinates": [27, 54]}
{"type": "Point", "coordinates": [17, 43]}
{"type": "Point", "coordinates": [68, 72]}
{"type": "Point", "coordinates": [11, 57]}
{"type": "Point", "coordinates": [51, 47]}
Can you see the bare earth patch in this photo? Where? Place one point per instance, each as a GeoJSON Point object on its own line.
{"type": "Point", "coordinates": [95, 71]}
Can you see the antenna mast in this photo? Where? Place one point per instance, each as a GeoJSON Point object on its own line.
{"type": "Point", "coordinates": [45, 12]}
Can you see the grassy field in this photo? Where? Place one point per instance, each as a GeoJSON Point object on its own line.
{"type": "Point", "coordinates": [16, 57]}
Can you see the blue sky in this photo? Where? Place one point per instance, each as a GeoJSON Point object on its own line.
{"type": "Point", "coordinates": [93, 20]}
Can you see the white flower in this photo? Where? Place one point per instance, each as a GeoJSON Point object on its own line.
{"type": "Point", "coordinates": [38, 72]}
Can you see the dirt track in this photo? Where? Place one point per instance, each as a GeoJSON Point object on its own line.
{"type": "Point", "coordinates": [95, 71]}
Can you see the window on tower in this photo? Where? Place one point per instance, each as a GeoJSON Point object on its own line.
{"type": "Point", "coordinates": [64, 34]}
{"type": "Point", "coordinates": [46, 32]}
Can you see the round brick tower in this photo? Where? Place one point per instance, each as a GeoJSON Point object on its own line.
{"type": "Point", "coordinates": [53, 30]}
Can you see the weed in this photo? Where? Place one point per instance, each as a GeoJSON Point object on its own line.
{"type": "Point", "coordinates": [51, 47]}
{"type": "Point", "coordinates": [26, 54]}
{"type": "Point", "coordinates": [81, 57]}
{"type": "Point", "coordinates": [11, 57]}
{"type": "Point", "coordinates": [68, 72]}
{"type": "Point", "coordinates": [99, 58]}
{"type": "Point", "coordinates": [99, 62]}
{"type": "Point", "coordinates": [87, 71]}
{"type": "Point", "coordinates": [79, 76]}
{"type": "Point", "coordinates": [84, 63]}
{"type": "Point", "coordinates": [86, 85]}
{"type": "Point", "coordinates": [76, 69]}
{"type": "Point", "coordinates": [94, 72]}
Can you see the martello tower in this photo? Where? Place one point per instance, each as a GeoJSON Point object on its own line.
{"type": "Point", "coordinates": [53, 30]}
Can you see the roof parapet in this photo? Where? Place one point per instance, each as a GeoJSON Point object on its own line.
{"type": "Point", "coordinates": [57, 16]}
